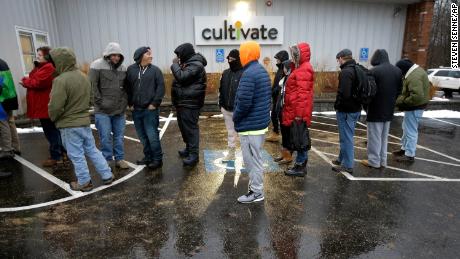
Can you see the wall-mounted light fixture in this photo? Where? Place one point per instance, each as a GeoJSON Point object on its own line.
{"type": "Point", "coordinates": [241, 12]}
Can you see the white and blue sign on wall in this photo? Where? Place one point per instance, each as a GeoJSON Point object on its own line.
{"type": "Point", "coordinates": [220, 55]}
{"type": "Point", "coordinates": [364, 54]}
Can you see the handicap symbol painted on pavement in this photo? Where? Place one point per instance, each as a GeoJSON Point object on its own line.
{"type": "Point", "coordinates": [213, 162]}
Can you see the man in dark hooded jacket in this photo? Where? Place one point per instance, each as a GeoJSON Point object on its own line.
{"type": "Point", "coordinates": [380, 111]}
{"type": "Point", "coordinates": [227, 92]}
{"type": "Point", "coordinates": [146, 88]}
{"type": "Point", "coordinates": [280, 57]}
{"type": "Point", "coordinates": [188, 92]}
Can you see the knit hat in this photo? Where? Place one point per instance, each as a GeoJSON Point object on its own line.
{"type": "Point", "coordinates": [185, 51]}
{"type": "Point", "coordinates": [234, 53]}
{"type": "Point", "coordinates": [404, 64]}
{"type": "Point", "coordinates": [344, 53]}
{"type": "Point", "coordinates": [139, 53]}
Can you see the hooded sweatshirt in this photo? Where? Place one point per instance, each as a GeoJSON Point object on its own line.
{"type": "Point", "coordinates": [107, 80]}
{"type": "Point", "coordinates": [229, 82]}
{"type": "Point", "coordinates": [253, 97]}
{"type": "Point", "coordinates": [282, 56]}
{"type": "Point", "coordinates": [415, 93]}
{"type": "Point", "coordinates": [70, 94]}
{"type": "Point", "coordinates": [389, 83]}
{"type": "Point", "coordinates": [145, 85]}
{"type": "Point", "coordinates": [189, 85]}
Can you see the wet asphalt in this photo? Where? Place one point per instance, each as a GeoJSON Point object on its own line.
{"type": "Point", "coordinates": [177, 212]}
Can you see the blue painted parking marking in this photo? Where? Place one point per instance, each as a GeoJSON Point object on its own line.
{"type": "Point", "coordinates": [213, 162]}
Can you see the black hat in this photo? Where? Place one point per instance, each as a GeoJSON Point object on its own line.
{"type": "Point", "coordinates": [344, 53]}
{"type": "Point", "coordinates": [185, 51]}
{"type": "Point", "coordinates": [234, 53]}
{"type": "Point", "coordinates": [404, 64]}
{"type": "Point", "coordinates": [139, 53]}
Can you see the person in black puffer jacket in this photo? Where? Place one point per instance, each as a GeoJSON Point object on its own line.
{"type": "Point", "coordinates": [280, 57]}
{"type": "Point", "coordinates": [188, 93]}
{"type": "Point", "coordinates": [227, 91]}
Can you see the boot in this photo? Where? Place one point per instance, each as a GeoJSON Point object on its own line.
{"type": "Point", "coordinates": [299, 170]}
{"type": "Point", "coordinates": [273, 137]}
{"type": "Point", "coordinates": [230, 156]}
{"type": "Point", "coordinates": [191, 160]}
{"type": "Point", "coordinates": [183, 153]}
{"type": "Point", "coordinates": [287, 157]}
{"type": "Point", "coordinates": [280, 157]}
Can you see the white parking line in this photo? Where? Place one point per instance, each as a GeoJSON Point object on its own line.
{"type": "Point", "coordinates": [63, 185]}
{"type": "Point", "coordinates": [357, 137]}
{"type": "Point", "coordinates": [327, 124]}
{"type": "Point", "coordinates": [447, 122]}
{"type": "Point", "coordinates": [388, 153]}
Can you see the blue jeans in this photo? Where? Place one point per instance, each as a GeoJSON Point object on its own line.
{"type": "Point", "coordinates": [302, 156]}
{"type": "Point", "coordinates": [80, 142]}
{"type": "Point", "coordinates": [53, 136]}
{"type": "Point", "coordinates": [111, 144]}
{"type": "Point", "coordinates": [347, 122]}
{"type": "Point", "coordinates": [146, 123]}
{"type": "Point", "coordinates": [410, 131]}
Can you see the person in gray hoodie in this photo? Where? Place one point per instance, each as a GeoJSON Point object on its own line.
{"type": "Point", "coordinates": [110, 99]}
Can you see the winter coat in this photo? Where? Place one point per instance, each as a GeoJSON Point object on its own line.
{"type": "Point", "coordinates": [228, 86]}
{"type": "Point", "coordinates": [70, 95]}
{"type": "Point", "coordinates": [253, 97]}
{"type": "Point", "coordinates": [145, 86]}
{"type": "Point", "coordinates": [282, 56]}
{"type": "Point", "coordinates": [38, 85]}
{"type": "Point", "coordinates": [389, 83]}
{"type": "Point", "coordinates": [189, 85]}
{"type": "Point", "coordinates": [109, 95]}
{"type": "Point", "coordinates": [8, 98]}
{"type": "Point", "coordinates": [298, 97]}
{"type": "Point", "coordinates": [415, 93]}
{"type": "Point", "coordinates": [345, 102]}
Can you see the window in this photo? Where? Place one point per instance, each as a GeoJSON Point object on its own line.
{"type": "Point", "coordinates": [29, 40]}
{"type": "Point", "coordinates": [429, 72]}
{"type": "Point", "coordinates": [454, 74]}
{"type": "Point", "coordinates": [442, 73]}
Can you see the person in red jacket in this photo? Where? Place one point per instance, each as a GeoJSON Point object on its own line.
{"type": "Point", "coordinates": [38, 85]}
{"type": "Point", "coordinates": [298, 99]}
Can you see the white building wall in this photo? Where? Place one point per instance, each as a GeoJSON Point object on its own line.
{"type": "Point", "coordinates": [328, 25]}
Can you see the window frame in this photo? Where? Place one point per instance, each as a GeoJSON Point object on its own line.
{"type": "Point", "coordinates": [34, 32]}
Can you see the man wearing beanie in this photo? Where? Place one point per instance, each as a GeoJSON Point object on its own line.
{"type": "Point", "coordinates": [145, 86]}
{"type": "Point", "coordinates": [188, 93]}
{"type": "Point", "coordinates": [228, 85]}
{"type": "Point", "coordinates": [252, 116]}
{"type": "Point", "coordinates": [107, 76]}
{"type": "Point", "coordinates": [348, 110]}
{"type": "Point", "coordinates": [413, 100]}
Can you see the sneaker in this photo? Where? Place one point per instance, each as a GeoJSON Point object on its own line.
{"type": "Point", "coordinates": [405, 159]}
{"type": "Point", "coordinates": [230, 156]}
{"type": "Point", "coordinates": [155, 165]}
{"type": "Point", "coordinates": [336, 162]}
{"type": "Point", "coordinates": [340, 169]}
{"type": "Point", "coordinates": [183, 153]}
{"type": "Point", "coordinates": [298, 170]}
{"type": "Point", "coordinates": [251, 197]}
{"type": "Point", "coordinates": [82, 188]}
{"type": "Point", "coordinates": [366, 163]}
{"type": "Point", "coordinates": [108, 181]}
{"type": "Point", "coordinates": [143, 161]}
{"type": "Point", "coordinates": [121, 164]}
{"type": "Point", "coordinates": [399, 153]}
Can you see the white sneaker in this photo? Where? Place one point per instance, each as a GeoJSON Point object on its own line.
{"type": "Point", "coordinates": [122, 164]}
{"type": "Point", "coordinates": [251, 197]}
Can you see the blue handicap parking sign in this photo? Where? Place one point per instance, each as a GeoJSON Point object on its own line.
{"type": "Point", "coordinates": [213, 162]}
{"type": "Point", "coordinates": [220, 55]}
{"type": "Point", "coordinates": [364, 54]}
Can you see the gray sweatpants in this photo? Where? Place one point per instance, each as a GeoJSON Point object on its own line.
{"type": "Point", "coordinates": [377, 143]}
{"type": "Point", "coordinates": [251, 147]}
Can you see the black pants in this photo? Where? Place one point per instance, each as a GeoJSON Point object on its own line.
{"type": "Point", "coordinates": [286, 137]}
{"type": "Point", "coordinates": [274, 116]}
{"type": "Point", "coordinates": [53, 136]}
{"type": "Point", "coordinates": [188, 125]}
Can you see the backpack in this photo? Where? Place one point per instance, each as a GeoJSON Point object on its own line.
{"type": "Point", "coordinates": [366, 88]}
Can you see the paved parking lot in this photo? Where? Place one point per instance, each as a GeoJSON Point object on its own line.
{"type": "Point", "coordinates": [403, 211]}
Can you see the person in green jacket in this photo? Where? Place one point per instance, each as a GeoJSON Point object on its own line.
{"type": "Point", "coordinates": [413, 100]}
{"type": "Point", "coordinates": [69, 110]}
